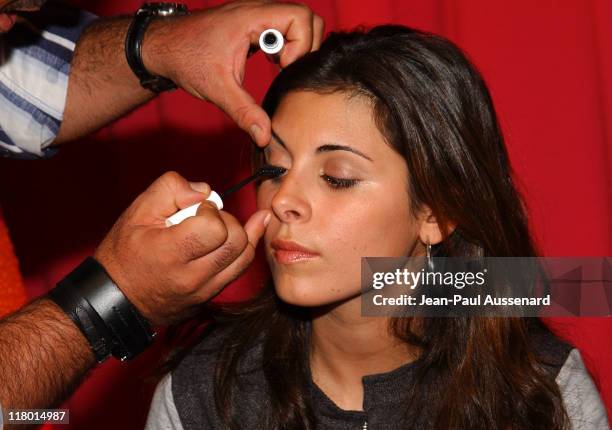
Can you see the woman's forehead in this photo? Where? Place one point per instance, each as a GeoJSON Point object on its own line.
{"type": "Point", "coordinates": [305, 119]}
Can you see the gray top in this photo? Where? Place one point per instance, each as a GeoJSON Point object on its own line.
{"type": "Point", "coordinates": [184, 399]}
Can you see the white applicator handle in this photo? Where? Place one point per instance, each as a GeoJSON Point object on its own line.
{"type": "Point", "coordinates": [271, 41]}
{"type": "Point", "coordinates": [183, 214]}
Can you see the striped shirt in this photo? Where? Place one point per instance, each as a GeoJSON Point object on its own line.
{"type": "Point", "coordinates": [35, 58]}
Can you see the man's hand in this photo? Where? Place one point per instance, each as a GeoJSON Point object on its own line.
{"type": "Point", "coordinates": [205, 53]}
{"type": "Point", "coordinates": [166, 272]}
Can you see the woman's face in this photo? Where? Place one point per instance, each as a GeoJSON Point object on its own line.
{"type": "Point", "coordinates": [344, 196]}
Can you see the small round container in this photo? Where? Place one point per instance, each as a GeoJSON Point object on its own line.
{"type": "Point", "coordinates": [271, 41]}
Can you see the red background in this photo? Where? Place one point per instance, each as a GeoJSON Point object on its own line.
{"type": "Point", "coordinates": [548, 65]}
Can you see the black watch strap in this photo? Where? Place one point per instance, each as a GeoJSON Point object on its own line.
{"type": "Point", "coordinates": [133, 43]}
{"type": "Point", "coordinates": [109, 321]}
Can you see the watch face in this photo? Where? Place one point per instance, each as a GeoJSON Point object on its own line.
{"type": "Point", "coordinates": [164, 9]}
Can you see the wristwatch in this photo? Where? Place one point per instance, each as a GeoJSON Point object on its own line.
{"type": "Point", "coordinates": [133, 42]}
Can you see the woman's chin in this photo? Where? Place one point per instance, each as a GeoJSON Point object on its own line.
{"type": "Point", "coordinates": [309, 297]}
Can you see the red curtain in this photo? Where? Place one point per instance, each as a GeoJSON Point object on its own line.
{"type": "Point", "coordinates": [13, 294]}
{"type": "Point", "coordinates": [548, 65]}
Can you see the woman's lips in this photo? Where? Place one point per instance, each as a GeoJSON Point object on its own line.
{"type": "Point", "coordinates": [285, 257]}
{"type": "Point", "coordinates": [290, 252]}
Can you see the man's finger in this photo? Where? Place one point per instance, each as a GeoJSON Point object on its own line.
{"type": "Point", "coordinates": [241, 107]}
{"type": "Point", "coordinates": [318, 29]}
{"type": "Point", "coordinates": [168, 194]}
{"type": "Point", "coordinates": [216, 261]}
{"type": "Point", "coordinates": [299, 35]}
{"type": "Point", "coordinates": [195, 237]}
{"type": "Point", "coordinates": [255, 228]}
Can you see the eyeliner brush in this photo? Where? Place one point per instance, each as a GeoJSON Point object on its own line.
{"type": "Point", "coordinates": [266, 171]}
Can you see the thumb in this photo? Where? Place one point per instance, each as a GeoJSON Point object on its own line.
{"type": "Point", "coordinates": [242, 109]}
{"type": "Point", "coordinates": [255, 227]}
{"type": "Point", "coordinates": [169, 193]}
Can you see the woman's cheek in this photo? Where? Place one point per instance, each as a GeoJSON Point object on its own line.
{"type": "Point", "coordinates": [265, 194]}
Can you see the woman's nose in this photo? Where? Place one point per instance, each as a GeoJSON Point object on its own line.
{"type": "Point", "coordinates": [290, 203]}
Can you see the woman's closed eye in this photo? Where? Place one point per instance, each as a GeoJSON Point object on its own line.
{"type": "Point", "coordinates": [339, 183]}
{"type": "Point", "coordinates": [333, 182]}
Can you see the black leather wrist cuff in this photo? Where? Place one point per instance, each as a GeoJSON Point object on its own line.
{"type": "Point", "coordinates": [111, 324]}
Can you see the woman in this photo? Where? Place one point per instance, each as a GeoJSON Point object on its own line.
{"type": "Point", "coordinates": [391, 143]}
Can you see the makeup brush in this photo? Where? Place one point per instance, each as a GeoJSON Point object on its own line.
{"type": "Point", "coordinates": [266, 172]}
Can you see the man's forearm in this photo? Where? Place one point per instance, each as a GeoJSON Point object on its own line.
{"type": "Point", "coordinates": [43, 356]}
{"type": "Point", "coordinates": [101, 85]}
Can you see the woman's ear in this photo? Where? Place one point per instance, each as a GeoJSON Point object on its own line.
{"type": "Point", "coordinates": [429, 229]}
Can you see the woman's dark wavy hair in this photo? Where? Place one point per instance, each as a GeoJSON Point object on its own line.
{"type": "Point", "coordinates": [434, 109]}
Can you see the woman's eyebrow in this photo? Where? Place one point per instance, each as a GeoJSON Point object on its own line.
{"type": "Point", "coordinates": [278, 139]}
{"type": "Point", "coordinates": [325, 148]}
{"type": "Point", "coordinates": [330, 147]}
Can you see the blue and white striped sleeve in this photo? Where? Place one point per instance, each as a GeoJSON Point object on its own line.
{"type": "Point", "coordinates": [35, 61]}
